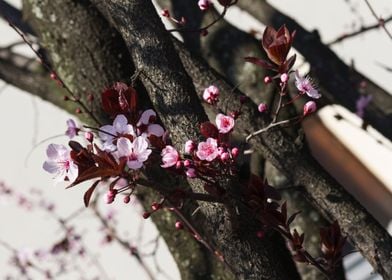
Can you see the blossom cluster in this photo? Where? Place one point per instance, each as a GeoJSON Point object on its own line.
{"type": "Point", "coordinates": [121, 150]}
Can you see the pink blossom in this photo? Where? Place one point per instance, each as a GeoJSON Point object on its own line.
{"type": "Point", "coordinates": [309, 107]}
{"type": "Point", "coordinates": [119, 128]}
{"type": "Point", "coordinates": [211, 94]}
{"type": "Point", "coordinates": [235, 152]}
{"type": "Point", "coordinates": [305, 85]}
{"type": "Point", "coordinates": [207, 150]}
{"type": "Point", "coordinates": [60, 163]}
{"type": "Point", "coordinates": [170, 156]}
{"type": "Point", "coordinates": [284, 78]}
{"type": "Point", "coordinates": [190, 146]}
{"type": "Point", "coordinates": [136, 152]}
{"type": "Point", "coordinates": [72, 129]}
{"type": "Point", "coordinates": [89, 136]}
{"type": "Point", "coordinates": [224, 123]}
{"type": "Point", "coordinates": [361, 104]}
{"type": "Point", "coordinates": [267, 80]}
{"type": "Point", "coordinates": [204, 4]}
{"type": "Point", "coordinates": [262, 107]}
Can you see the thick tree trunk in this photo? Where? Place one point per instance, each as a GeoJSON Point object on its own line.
{"type": "Point", "coordinates": [90, 56]}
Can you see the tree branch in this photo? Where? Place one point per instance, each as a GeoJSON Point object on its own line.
{"type": "Point", "coordinates": [341, 82]}
{"type": "Point", "coordinates": [296, 163]}
{"type": "Point", "coordinates": [174, 98]}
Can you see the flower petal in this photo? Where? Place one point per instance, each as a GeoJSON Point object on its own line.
{"type": "Point", "coordinates": [56, 151]}
{"type": "Point", "coordinates": [107, 137]}
{"type": "Point", "coordinates": [155, 129]}
{"type": "Point", "coordinates": [134, 164]}
{"type": "Point", "coordinates": [120, 122]}
{"type": "Point", "coordinates": [124, 147]}
{"type": "Point", "coordinates": [139, 145]}
{"type": "Point", "coordinates": [51, 167]}
{"type": "Point", "coordinates": [145, 117]}
{"type": "Point", "coordinates": [73, 172]}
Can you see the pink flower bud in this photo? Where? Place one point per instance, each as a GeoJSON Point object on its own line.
{"type": "Point", "coordinates": [190, 146]}
{"type": "Point", "coordinates": [191, 173]}
{"type": "Point", "coordinates": [260, 234]}
{"type": "Point", "coordinates": [89, 136]}
{"type": "Point", "coordinates": [284, 77]}
{"type": "Point", "coordinates": [165, 13]}
{"type": "Point", "coordinates": [155, 206]}
{"type": "Point", "coordinates": [309, 107]}
{"type": "Point", "coordinates": [262, 107]}
{"type": "Point", "coordinates": [179, 225]}
{"type": "Point", "coordinates": [267, 80]}
{"type": "Point", "coordinates": [235, 152]}
{"type": "Point", "coordinates": [187, 163]}
{"type": "Point", "coordinates": [127, 199]}
{"type": "Point", "coordinates": [224, 156]}
{"type": "Point", "coordinates": [146, 215]}
{"type": "Point", "coordinates": [204, 4]}
{"type": "Point", "coordinates": [178, 164]}
{"type": "Point", "coordinates": [204, 32]}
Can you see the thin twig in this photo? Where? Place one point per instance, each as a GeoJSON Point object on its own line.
{"type": "Point", "coordinates": [380, 20]}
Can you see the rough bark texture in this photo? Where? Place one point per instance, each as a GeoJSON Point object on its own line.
{"type": "Point", "coordinates": [224, 49]}
{"type": "Point", "coordinates": [341, 82]}
{"type": "Point", "coordinates": [296, 163]}
{"type": "Point", "coordinates": [172, 93]}
{"type": "Point", "coordinates": [81, 66]}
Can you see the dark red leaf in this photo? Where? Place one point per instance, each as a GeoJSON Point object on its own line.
{"type": "Point", "coordinates": [260, 62]}
{"type": "Point", "coordinates": [208, 130]}
{"type": "Point", "coordinates": [89, 192]}
{"type": "Point", "coordinates": [292, 217]}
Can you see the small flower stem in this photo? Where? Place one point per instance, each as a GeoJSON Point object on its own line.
{"type": "Point", "coordinates": [199, 237]}
{"type": "Point", "coordinates": [268, 127]}
{"type": "Point", "coordinates": [379, 19]}
{"type": "Point", "coordinates": [99, 130]}
{"type": "Point", "coordinates": [184, 29]}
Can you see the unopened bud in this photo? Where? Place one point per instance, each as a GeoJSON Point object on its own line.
{"type": "Point", "coordinates": [179, 225]}
{"type": "Point", "coordinates": [235, 152]}
{"type": "Point", "coordinates": [262, 107]}
{"type": "Point", "coordinates": [284, 77]}
{"type": "Point", "coordinates": [309, 107]}
{"type": "Point", "coordinates": [165, 13]}
{"type": "Point", "coordinates": [267, 80]}
{"type": "Point", "coordinates": [89, 136]}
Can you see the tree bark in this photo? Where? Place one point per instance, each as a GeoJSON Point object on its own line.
{"type": "Point", "coordinates": [341, 82]}
{"type": "Point", "coordinates": [86, 48]}
{"type": "Point", "coordinates": [173, 95]}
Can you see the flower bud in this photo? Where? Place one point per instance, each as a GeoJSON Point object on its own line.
{"type": "Point", "coordinates": [191, 173]}
{"type": "Point", "coordinates": [187, 163]}
{"type": "Point", "coordinates": [224, 156]}
{"type": "Point", "coordinates": [309, 107]}
{"type": "Point", "coordinates": [262, 107]}
{"type": "Point", "coordinates": [89, 136]}
{"type": "Point", "coordinates": [235, 152]}
{"type": "Point", "coordinates": [267, 80]}
{"type": "Point", "coordinates": [179, 225]}
{"type": "Point", "coordinates": [204, 5]}
{"type": "Point", "coordinates": [165, 13]}
{"type": "Point", "coordinates": [284, 77]}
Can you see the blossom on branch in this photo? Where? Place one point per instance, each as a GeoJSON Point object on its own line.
{"type": "Point", "coordinates": [169, 156]}
{"type": "Point", "coordinates": [135, 152]}
{"type": "Point", "coordinates": [207, 150]}
{"type": "Point", "coordinates": [60, 163]}
{"type": "Point", "coordinates": [305, 85]}
{"type": "Point", "coordinates": [224, 123]}
{"type": "Point", "coordinates": [119, 128]}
